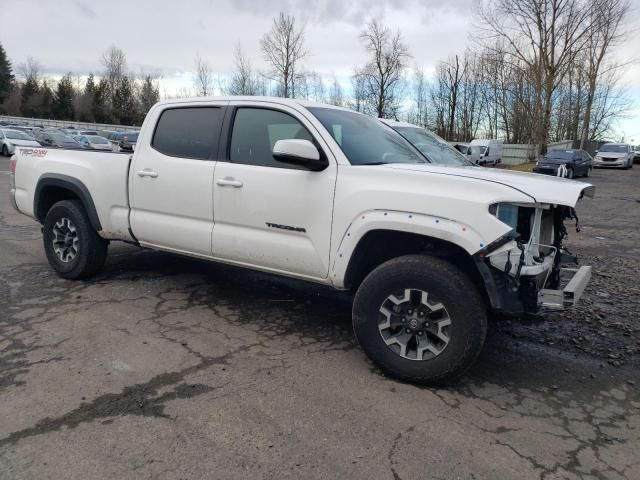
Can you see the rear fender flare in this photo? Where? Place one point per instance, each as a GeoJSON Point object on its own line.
{"type": "Point", "coordinates": [71, 184]}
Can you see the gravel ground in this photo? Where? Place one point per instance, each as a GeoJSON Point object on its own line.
{"type": "Point", "coordinates": [165, 367]}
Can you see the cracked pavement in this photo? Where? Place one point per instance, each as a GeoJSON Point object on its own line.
{"type": "Point", "coordinates": [166, 367]}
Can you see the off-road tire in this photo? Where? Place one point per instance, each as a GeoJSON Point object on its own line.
{"type": "Point", "coordinates": [464, 304]}
{"type": "Point", "coordinates": [91, 251]}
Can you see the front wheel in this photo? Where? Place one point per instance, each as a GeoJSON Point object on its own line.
{"type": "Point", "coordinates": [5, 151]}
{"type": "Point", "coordinates": [73, 248]}
{"type": "Point", "coordinates": [420, 319]}
{"type": "Point", "coordinates": [589, 170]}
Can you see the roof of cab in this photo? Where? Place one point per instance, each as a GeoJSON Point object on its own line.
{"type": "Point", "coordinates": [293, 102]}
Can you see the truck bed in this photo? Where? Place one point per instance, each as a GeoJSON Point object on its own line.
{"type": "Point", "coordinates": [104, 174]}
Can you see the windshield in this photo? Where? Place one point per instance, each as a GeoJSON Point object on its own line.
{"type": "Point", "coordinates": [612, 147]}
{"type": "Point", "coordinates": [560, 155]}
{"type": "Point", "coordinates": [433, 147]}
{"type": "Point", "coordinates": [97, 140]}
{"type": "Point", "coordinates": [16, 135]}
{"type": "Point", "coordinates": [365, 140]}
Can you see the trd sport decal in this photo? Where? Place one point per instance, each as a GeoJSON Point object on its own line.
{"type": "Point", "coordinates": [286, 227]}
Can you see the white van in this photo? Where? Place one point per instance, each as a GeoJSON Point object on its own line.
{"type": "Point", "coordinates": [491, 151]}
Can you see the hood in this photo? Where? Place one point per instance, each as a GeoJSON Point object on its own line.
{"type": "Point", "coordinates": [541, 188]}
{"type": "Point", "coordinates": [23, 143]}
{"type": "Point", "coordinates": [612, 154]}
{"type": "Point", "coordinates": [555, 161]}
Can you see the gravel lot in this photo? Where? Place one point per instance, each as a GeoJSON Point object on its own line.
{"type": "Point", "coordinates": [164, 367]}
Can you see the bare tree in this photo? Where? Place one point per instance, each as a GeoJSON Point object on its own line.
{"type": "Point", "coordinates": [114, 62]}
{"type": "Point", "coordinates": [244, 81]}
{"type": "Point", "coordinates": [203, 82]}
{"type": "Point", "coordinates": [419, 112]}
{"type": "Point", "coordinates": [543, 35]}
{"type": "Point", "coordinates": [283, 49]}
{"type": "Point", "coordinates": [607, 18]}
{"type": "Point", "coordinates": [336, 95]}
{"type": "Point", "coordinates": [30, 69]}
{"type": "Point", "coordinates": [382, 75]}
{"type": "Point", "coordinates": [359, 93]}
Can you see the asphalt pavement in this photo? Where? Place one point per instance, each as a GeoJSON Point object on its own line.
{"type": "Point", "coordinates": [167, 367]}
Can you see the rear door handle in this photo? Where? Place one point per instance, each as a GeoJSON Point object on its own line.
{"type": "Point", "coordinates": [147, 173]}
{"type": "Point", "coordinates": [229, 182]}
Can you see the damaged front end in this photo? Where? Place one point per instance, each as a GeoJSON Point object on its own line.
{"type": "Point", "coordinates": [529, 269]}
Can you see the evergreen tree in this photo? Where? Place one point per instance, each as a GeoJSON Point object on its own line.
{"type": "Point", "coordinates": [85, 103]}
{"type": "Point", "coordinates": [63, 101]}
{"type": "Point", "coordinates": [6, 75]}
{"type": "Point", "coordinates": [124, 102]}
{"type": "Point", "coordinates": [46, 100]}
{"type": "Point", "coordinates": [100, 105]}
{"type": "Point", "coordinates": [30, 106]}
{"type": "Point", "coordinates": [149, 96]}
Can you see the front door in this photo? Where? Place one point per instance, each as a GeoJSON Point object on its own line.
{"type": "Point", "coordinates": [171, 180]}
{"type": "Point", "coordinates": [270, 214]}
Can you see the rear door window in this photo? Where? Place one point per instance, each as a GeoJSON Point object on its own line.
{"type": "Point", "coordinates": [190, 132]}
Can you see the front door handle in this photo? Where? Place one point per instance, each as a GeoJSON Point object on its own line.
{"type": "Point", "coordinates": [229, 182]}
{"type": "Point", "coordinates": [147, 173]}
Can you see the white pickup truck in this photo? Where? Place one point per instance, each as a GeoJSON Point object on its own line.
{"type": "Point", "coordinates": [429, 244]}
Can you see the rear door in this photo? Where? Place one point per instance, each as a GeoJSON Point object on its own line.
{"type": "Point", "coordinates": [270, 214]}
{"type": "Point", "coordinates": [171, 178]}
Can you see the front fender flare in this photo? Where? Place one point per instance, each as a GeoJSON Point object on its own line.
{"type": "Point", "coordinates": [465, 236]}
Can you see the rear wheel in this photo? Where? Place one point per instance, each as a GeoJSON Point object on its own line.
{"type": "Point", "coordinates": [569, 173]}
{"type": "Point", "coordinates": [5, 151]}
{"type": "Point", "coordinates": [420, 319]}
{"type": "Point", "coordinates": [588, 173]}
{"type": "Point", "coordinates": [73, 248]}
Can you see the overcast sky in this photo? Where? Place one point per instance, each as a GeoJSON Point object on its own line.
{"type": "Point", "coordinates": [163, 36]}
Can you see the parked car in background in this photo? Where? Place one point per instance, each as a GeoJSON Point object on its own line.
{"type": "Point", "coordinates": [93, 142]}
{"type": "Point", "coordinates": [614, 155]}
{"type": "Point", "coordinates": [57, 139]}
{"type": "Point", "coordinates": [434, 148]}
{"type": "Point", "coordinates": [490, 151]}
{"type": "Point", "coordinates": [27, 130]}
{"type": "Point", "coordinates": [578, 163]}
{"type": "Point", "coordinates": [9, 138]}
{"type": "Point", "coordinates": [636, 155]}
{"type": "Point", "coordinates": [472, 152]}
{"type": "Point", "coordinates": [124, 141]}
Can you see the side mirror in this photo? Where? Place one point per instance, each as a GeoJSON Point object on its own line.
{"type": "Point", "coordinates": [596, 151]}
{"type": "Point", "coordinates": [299, 152]}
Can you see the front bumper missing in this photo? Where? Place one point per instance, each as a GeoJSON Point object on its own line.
{"type": "Point", "coordinates": [550, 299]}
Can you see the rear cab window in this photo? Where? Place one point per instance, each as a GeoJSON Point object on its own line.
{"type": "Point", "coordinates": [188, 132]}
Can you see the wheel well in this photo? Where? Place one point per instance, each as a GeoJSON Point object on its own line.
{"type": "Point", "coordinates": [49, 196]}
{"type": "Point", "coordinates": [52, 188]}
{"type": "Point", "coordinates": [379, 246]}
